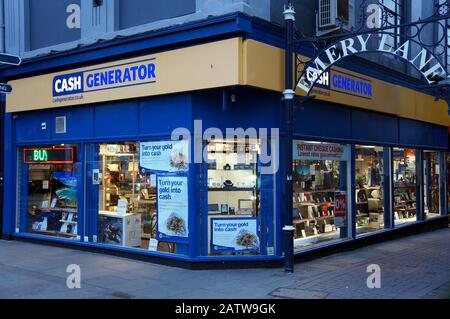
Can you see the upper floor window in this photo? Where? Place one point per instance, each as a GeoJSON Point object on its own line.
{"type": "Point", "coordinates": [394, 14]}
{"type": "Point", "coordinates": [138, 12]}
{"type": "Point", "coordinates": [49, 22]}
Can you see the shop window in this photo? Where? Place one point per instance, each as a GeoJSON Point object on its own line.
{"type": "Point", "coordinates": [369, 188]}
{"type": "Point", "coordinates": [48, 190]}
{"type": "Point", "coordinates": [133, 13]}
{"type": "Point", "coordinates": [142, 195]}
{"type": "Point", "coordinates": [431, 191]}
{"type": "Point", "coordinates": [405, 180]}
{"type": "Point", "coordinates": [320, 184]}
{"type": "Point", "coordinates": [448, 181]}
{"type": "Point", "coordinates": [234, 214]}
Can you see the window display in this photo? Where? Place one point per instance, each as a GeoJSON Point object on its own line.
{"type": "Point", "coordinates": [131, 176]}
{"type": "Point", "coordinates": [431, 179]}
{"type": "Point", "coordinates": [319, 175]}
{"type": "Point", "coordinates": [233, 197]}
{"type": "Point", "coordinates": [49, 178]}
{"type": "Point", "coordinates": [369, 174]}
{"type": "Point", "coordinates": [405, 180]}
{"type": "Point", "coordinates": [448, 181]}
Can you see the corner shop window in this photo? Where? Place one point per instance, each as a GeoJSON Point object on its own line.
{"type": "Point", "coordinates": [448, 181]}
{"type": "Point", "coordinates": [139, 183]}
{"type": "Point", "coordinates": [233, 197]}
{"type": "Point", "coordinates": [319, 177]}
{"type": "Point", "coordinates": [431, 191]}
{"type": "Point", "coordinates": [48, 182]}
{"type": "Point", "coordinates": [405, 180]}
{"type": "Point", "coordinates": [369, 188]}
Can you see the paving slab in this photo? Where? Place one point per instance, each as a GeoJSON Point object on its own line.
{"type": "Point", "coordinates": [411, 267]}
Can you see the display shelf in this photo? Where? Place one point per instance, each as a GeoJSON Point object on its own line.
{"type": "Point", "coordinates": [231, 189]}
{"type": "Point", "coordinates": [320, 238]}
{"type": "Point", "coordinates": [299, 221]}
{"type": "Point", "coordinates": [315, 191]}
{"type": "Point", "coordinates": [231, 170]}
{"type": "Point", "coordinates": [57, 209]}
{"type": "Point", "coordinates": [331, 204]}
{"type": "Point", "coordinates": [145, 201]}
{"type": "Point", "coordinates": [53, 232]}
{"type": "Point", "coordinates": [67, 221]}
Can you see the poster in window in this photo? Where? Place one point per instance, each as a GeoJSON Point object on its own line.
{"type": "Point", "coordinates": [308, 151]}
{"type": "Point", "coordinates": [172, 208]}
{"type": "Point", "coordinates": [234, 235]}
{"type": "Point", "coordinates": [164, 156]}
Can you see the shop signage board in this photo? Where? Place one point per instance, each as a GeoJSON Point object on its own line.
{"type": "Point", "coordinates": [340, 209]}
{"type": "Point", "coordinates": [165, 156]}
{"type": "Point", "coordinates": [143, 76]}
{"type": "Point", "coordinates": [172, 208]}
{"type": "Point", "coordinates": [341, 82]}
{"type": "Point", "coordinates": [234, 235]}
{"type": "Point", "coordinates": [108, 78]}
{"type": "Point", "coordinates": [229, 59]}
{"type": "Point", "coordinates": [320, 151]}
{"type": "Point", "coordinates": [48, 155]}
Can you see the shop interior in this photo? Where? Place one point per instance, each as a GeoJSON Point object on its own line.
{"type": "Point", "coordinates": [448, 187]}
{"type": "Point", "coordinates": [52, 203]}
{"type": "Point", "coordinates": [315, 183]}
{"type": "Point", "coordinates": [369, 188]}
{"type": "Point", "coordinates": [405, 179]}
{"type": "Point", "coordinates": [127, 199]}
{"type": "Point", "coordinates": [431, 184]}
{"type": "Point", "coordinates": [233, 183]}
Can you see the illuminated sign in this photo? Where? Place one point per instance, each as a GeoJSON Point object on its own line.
{"type": "Point", "coordinates": [48, 155]}
{"type": "Point", "coordinates": [323, 81]}
{"type": "Point", "coordinates": [350, 84]}
{"type": "Point", "coordinates": [342, 82]}
{"type": "Point", "coordinates": [123, 75]}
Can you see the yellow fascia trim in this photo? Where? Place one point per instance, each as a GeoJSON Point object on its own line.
{"type": "Point", "coordinates": [264, 68]}
{"type": "Point", "coordinates": [205, 66]}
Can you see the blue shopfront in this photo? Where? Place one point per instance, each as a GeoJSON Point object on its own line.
{"type": "Point", "coordinates": [152, 168]}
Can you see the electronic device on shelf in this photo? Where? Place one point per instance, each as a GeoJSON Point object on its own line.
{"type": "Point", "coordinates": [213, 209]}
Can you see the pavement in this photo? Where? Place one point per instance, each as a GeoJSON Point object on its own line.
{"type": "Point", "coordinates": [411, 267]}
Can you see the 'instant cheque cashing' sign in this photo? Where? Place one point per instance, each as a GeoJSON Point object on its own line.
{"type": "Point", "coordinates": [320, 151]}
{"type": "Point", "coordinates": [106, 78]}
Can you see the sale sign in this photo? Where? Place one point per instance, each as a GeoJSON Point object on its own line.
{"type": "Point", "coordinates": [340, 209]}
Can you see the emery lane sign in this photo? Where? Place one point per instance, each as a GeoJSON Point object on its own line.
{"type": "Point", "coordinates": [411, 51]}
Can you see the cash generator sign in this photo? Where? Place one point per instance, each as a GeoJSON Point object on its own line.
{"type": "Point", "coordinates": [342, 82]}
{"type": "Point", "coordinates": [106, 78]}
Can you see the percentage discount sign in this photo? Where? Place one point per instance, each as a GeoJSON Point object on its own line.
{"type": "Point", "coordinates": [340, 205]}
